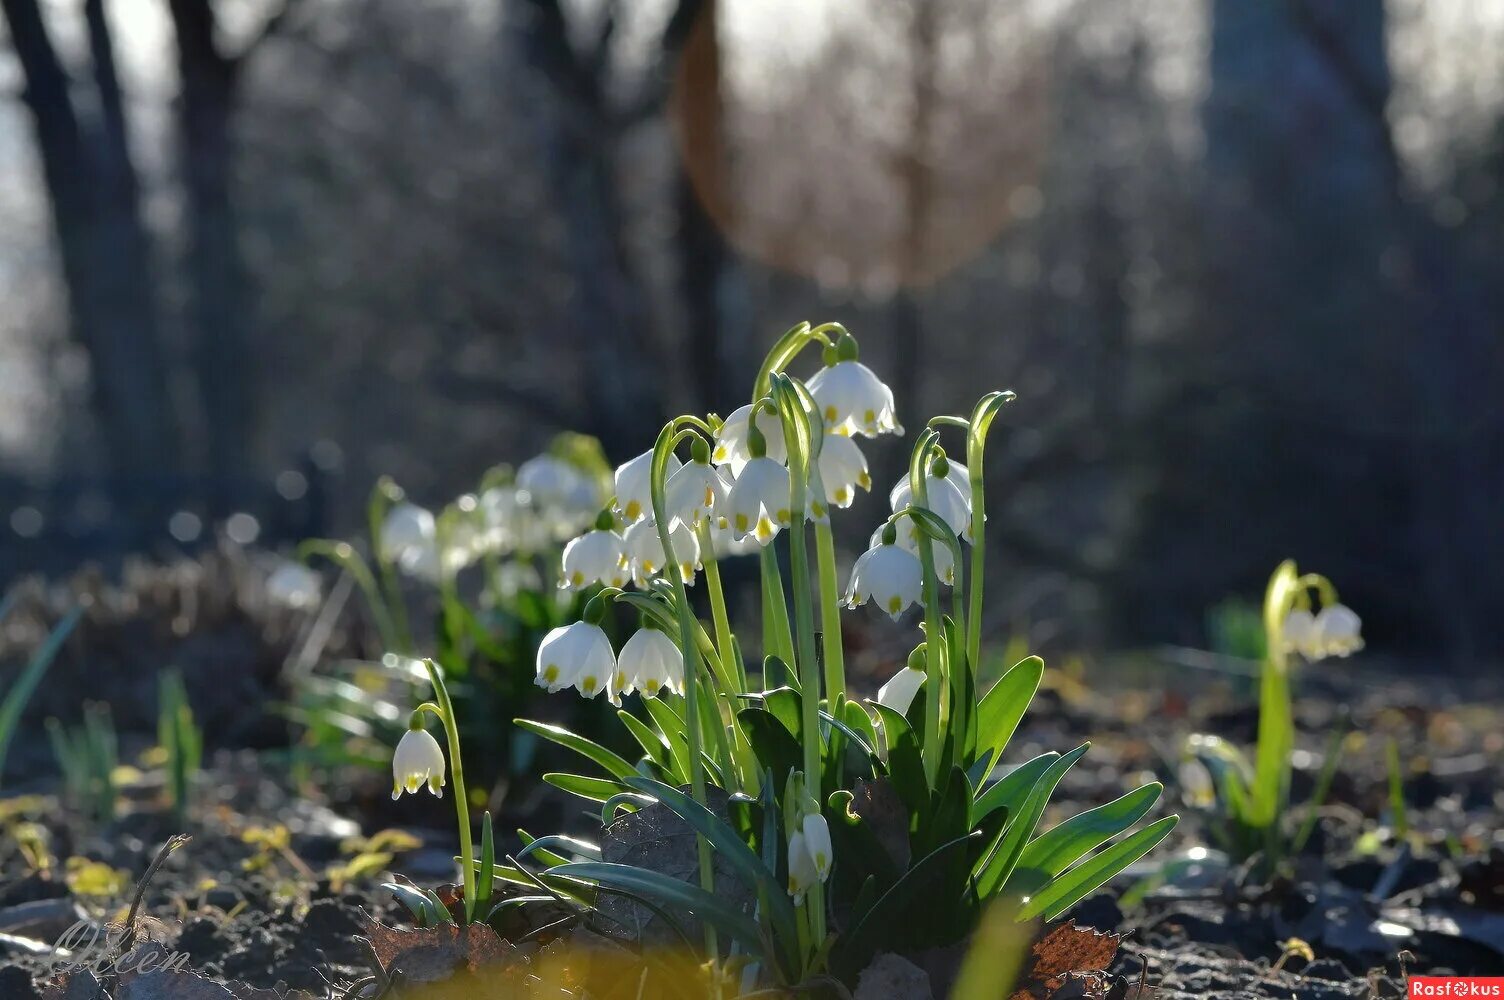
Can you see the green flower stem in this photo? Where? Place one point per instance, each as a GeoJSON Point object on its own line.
{"type": "Point", "coordinates": [796, 434]}
{"type": "Point", "coordinates": [982, 415]}
{"type": "Point", "coordinates": [668, 439]}
{"type": "Point", "coordinates": [712, 569]}
{"type": "Point", "coordinates": [830, 614]}
{"type": "Point", "coordinates": [381, 499]}
{"type": "Point", "coordinates": [461, 800]}
{"type": "Point", "coordinates": [777, 636]}
{"type": "Point", "coordinates": [343, 555]}
{"type": "Point", "coordinates": [934, 630]}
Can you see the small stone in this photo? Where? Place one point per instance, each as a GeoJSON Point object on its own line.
{"type": "Point", "coordinates": [893, 977]}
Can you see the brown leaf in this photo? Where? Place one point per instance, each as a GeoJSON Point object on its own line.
{"type": "Point", "coordinates": [1069, 954]}
{"type": "Point", "coordinates": [431, 954]}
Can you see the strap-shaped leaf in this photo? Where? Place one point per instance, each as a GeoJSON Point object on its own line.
{"type": "Point", "coordinates": [614, 763]}
{"type": "Point", "coordinates": [594, 789]}
{"type": "Point", "coordinates": [487, 870]}
{"type": "Point", "coordinates": [1091, 874]}
{"type": "Point", "coordinates": [671, 725]}
{"type": "Point", "coordinates": [547, 848]}
{"type": "Point", "coordinates": [905, 762]}
{"type": "Point", "coordinates": [652, 744]}
{"type": "Point", "coordinates": [1053, 852]}
{"type": "Point", "coordinates": [669, 891]}
{"type": "Point", "coordinates": [1010, 791]}
{"type": "Point", "coordinates": [731, 848]}
{"type": "Point", "coordinates": [994, 871]}
{"type": "Point", "coordinates": [1002, 707]}
{"type": "Point", "coordinates": [893, 916]}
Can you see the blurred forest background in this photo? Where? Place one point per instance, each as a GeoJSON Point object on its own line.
{"type": "Point", "coordinates": [1242, 260]}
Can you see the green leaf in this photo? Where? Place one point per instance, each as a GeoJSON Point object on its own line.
{"type": "Point", "coordinates": [594, 789]}
{"type": "Point", "coordinates": [784, 705]}
{"type": "Point", "coordinates": [1090, 875]}
{"type": "Point", "coordinates": [26, 685]}
{"type": "Point", "coordinates": [774, 746]}
{"type": "Point", "coordinates": [671, 892]}
{"type": "Point", "coordinates": [672, 726]}
{"type": "Point", "coordinates": [1002, 707]}
{"type": "Point", "coordinates": [1053, 852]}
{"type": "Point", "coordinates": [614, 764]}
{"type": "Point", "coordinates": [889, 922]}
{"type": "Point", "coordinates": [652, 744]}
{"type": "Point", "coordinates": [994, 871]}
{"type": "Point", "coordinates": [905, 763]}
{"type": "Point", "coordinates": [1010, 791]}
{"type": "Point", "coordinates": [487, 873]}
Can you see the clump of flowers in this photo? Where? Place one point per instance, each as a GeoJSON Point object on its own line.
{"type": "Point", "coordinates": [805, 763]}
{"type": "Point", "coordinates": [1251, 800]}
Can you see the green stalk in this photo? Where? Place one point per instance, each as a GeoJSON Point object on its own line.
{"type": "Point", "coordinates": [668, 439]}
{"type": "Point", "coordinates": [461, 800]}
{"type": "Point", "coordinates": [797, 437]}
{"type": "Point", "coordinates": [976, 441]}
{"type": "Point", "coordinates": [934, 630]}
{"type": "Point", "coordinates": [777, 636]}
{"type": "Point", "coordinates": [830, 614]}
{"type": "Point", "coordinates": [381, 498]}
{"type": "Point", "coordinates": [712, 570]}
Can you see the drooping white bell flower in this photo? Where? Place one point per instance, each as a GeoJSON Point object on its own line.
{"type": "Point", "coordinates": [1339, 630]}
{"type": "Point", "coordinates": [853, 400]}
{"type": "Point", "coordinates": [843, 469]}
{"type": "Point", "coordinates": [908, 540]}
{"type": "Point", "coordinates": [817, 843]}
{"type": "Point", "coordinates": [726, 545]}
{"type": "Point", "coordinates": [802, 872]}
{"type": "Point", "coordinates": [1299, 634]}
{"type": "Point", "coordinates": [898, 694]}
{"type": "Point", "coordinates": [887, 574]}
{"type": "Point", "coordinates": [759, 500]}
{"type": "Point", "coordinates": [694, 492]}
{"type": "Point", "coordinates": [944, 499]}
{"type": "Point", "coordinates": [594, 557]}
{"type": "Point", "coordinates": [1197, 786]}
{"type": "Point", "coordinates": [732, 447]}
{"type": "Point", "coordinates": [643, 552]}
{"type": "Point", "coordinates": [576, 655]}
{"type": "Point", "coordinates": [406, 529]}
{"type": "Point", "coordinates": [417, 761]}
{"type": "Point", "coordinates": [634, 486]}
{"type": "Point", "coordinates": [649, 662]}
{"type": "Point", "coordinates": [293, 585]}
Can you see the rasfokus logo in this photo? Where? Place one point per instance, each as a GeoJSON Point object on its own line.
{"type": "Point", "coordinates": [1456, 987]}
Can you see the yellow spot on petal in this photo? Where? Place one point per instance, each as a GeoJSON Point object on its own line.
{"type": "Point", "coordinates": [647, 566]}
{"type": "Point", "coordinates": [818, 509]}
{"type": "Point", "coordinates": [783, 516]}
{"type": "Point", "coordinates": [741, 522]}
{"type": "Point", "coordinates": [709, 496]}
{"type": "Point", "coordinates": [764, 528]}
{"type": "Point", "coordinates": [617, 581]}
{"type": "Point", "coordinates": [864, 481]}
{"type": "Point", "coordinates": [621, 679]}
{"type": "Point", "coordinates": [413, 781]}
{"type": "Point", "coordinates": [588, 684]}
{"type": "Point", "coordinates": [577, 578]}
{"type": "Point", "coordinates": [719, 455]}
{"type": "Point", "coordinates": [551, 673]}
{"type": "Point", "coordinates": [634, 508]}
{"type": "Point", "coordinates": [830, 414]}
{"type": "Point", "coordinates": [841, 494]}
{"type": "Point", "coordinates": [869, 418]}
{"type": "Point", "coordinates": [894, 604]}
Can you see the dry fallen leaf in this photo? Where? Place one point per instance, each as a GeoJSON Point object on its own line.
{"type": "Point", "coordinates": [431, 954]}
{"type": "Point", "coordinates": [1071, 960]}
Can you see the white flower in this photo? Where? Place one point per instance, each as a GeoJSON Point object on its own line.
{"type": "Point", "coordinates": [563, 495]}
{"type": "Point", "coordinates": [695, 492]}
{"type": "Point", "coordinates": [407, 530]}
{"type": "Point", "coordinates": [802, 871]}
{"type": "Point", "coordinates": [853, 400]}
{"type": "Point", "coordinates": [1299, 634]}
{"type": "Point", "coordinates": [1338, 630]}
{"type": "Point", "coordinates": [578, 655]}
{"type": "Point", "coordinates": [889, 575]}
{"type": "Point", "coordinates": [908, 540]}
{"type": "Point", "coordinates": [643, 552]}
{"type": "Point", "coordinates": [843, 468]}
{"type": "Point", "coordinates": [731, 446]}
{"type": "Point", "coordinates": [898, 694]}
{"type": "Point", "coordinates": [293, 585]}
{"type": "Point", "coordinates": [944, 499]}
{"type": "Point", "coordinates": [514, 576]}
{"type": "Point", "coordinates": [1196, 785]}
{"type": "Point", "coordinates": [817, 843]}
{"type": "Point", "coordinates": [634, 486]}
{"type": "Point", "coordinates": [594, 557]}
{"type": "Point", "coordinates": [417, 760]}
{"type": "Point", "coordinates": [759, 500]}
{"type": "Point", "coordinates": [649, 662]}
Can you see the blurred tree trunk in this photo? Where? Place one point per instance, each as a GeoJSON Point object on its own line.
{"type": "Point", "coordinates": [707, 270]}
{"type": "Point", "coordinates": [102, 245]}
{"type": "Point", "coordinates": [221, 321]}
{"type": "Point", "coordinates": [621, 386]}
